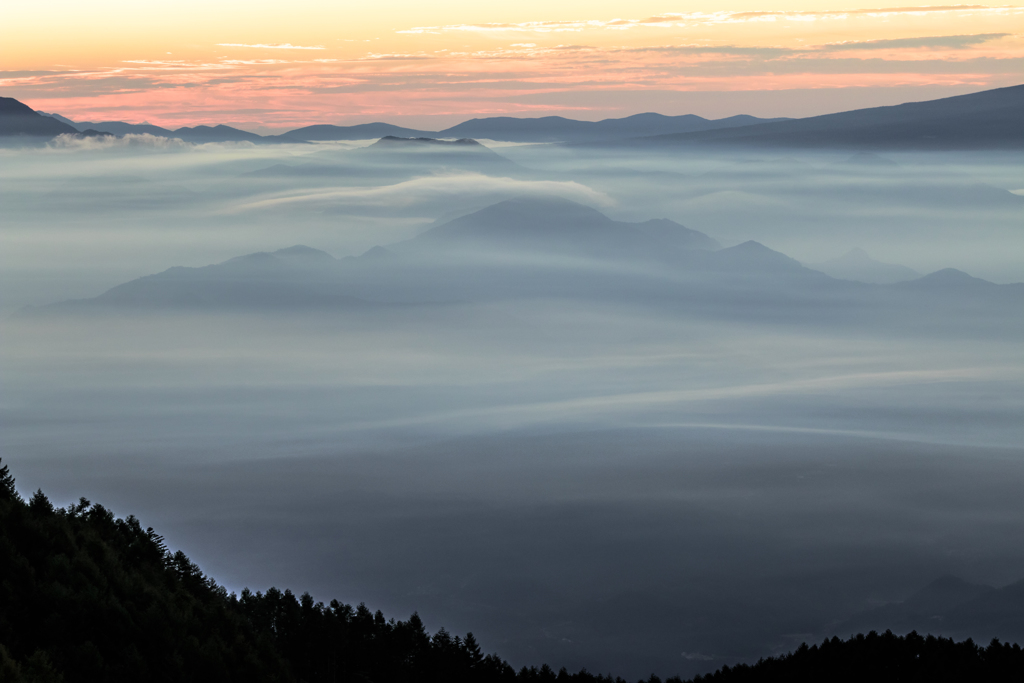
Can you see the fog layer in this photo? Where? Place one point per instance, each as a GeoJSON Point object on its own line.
{"type": "Point", "coordinates": [591, 438]}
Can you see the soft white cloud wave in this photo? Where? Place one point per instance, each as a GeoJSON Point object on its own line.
{"type": "Point", "coordinates": [412, 191]}
{"type": "Point", "coordinates": [135, 142]}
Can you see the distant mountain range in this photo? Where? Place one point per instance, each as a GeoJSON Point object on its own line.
{"type": "Point", "coordinates": [501, 128]}
{"type": "Point", "coordinates": [545, 247]}
{"type": "Point", "coordinates": [993, 119]}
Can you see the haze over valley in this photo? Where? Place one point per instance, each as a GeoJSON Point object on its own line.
{"type": "Point", "coordinates": [644, 394]}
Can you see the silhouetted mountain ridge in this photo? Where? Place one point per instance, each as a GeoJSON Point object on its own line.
{"type": "Point", "coordinates": [560, 129]}
{"type": "Point", "coordinates": [556, 225]}
{"type": "Point", "coordinates": [551, 247]}
{"type": "Point", "coordinates": [19, 120]}
{"type": "Point", "coordinates": [362, 131]}
{"type": "Point", "coordinates": [992, 119]}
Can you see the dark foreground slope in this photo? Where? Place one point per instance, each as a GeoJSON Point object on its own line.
{"type": "Point", "coordinates": [88, 597]}
{"type": "Point", "coordinates": [85, 596]}
{"type": "Point", "coordinates": [885, 657]}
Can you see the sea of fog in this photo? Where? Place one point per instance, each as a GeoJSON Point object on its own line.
{"type": "Point", "coordinates": [594, 482]}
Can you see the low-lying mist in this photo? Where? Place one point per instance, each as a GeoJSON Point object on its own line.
{"type": "Point", "coordinates": [78, 221]}
{"type": "Point", "coordinates": [623, 449]}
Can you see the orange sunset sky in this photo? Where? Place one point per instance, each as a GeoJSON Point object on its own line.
{"type": "Point", "coordinates": [271, 66]}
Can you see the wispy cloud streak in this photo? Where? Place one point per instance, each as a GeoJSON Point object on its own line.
{"type": "Point", "coordinates": [949, 42]}
{"type": "Point", "coordinates": [669, 20]}
{"type": "Point", "coordinates": [273, 46]}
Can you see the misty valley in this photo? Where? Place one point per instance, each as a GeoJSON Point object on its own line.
{"type": "Point", "coordinates": [608, 401]}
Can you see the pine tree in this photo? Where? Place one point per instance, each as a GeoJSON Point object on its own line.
{"type": "Point", "coordinates": [7, 490]}
{"type": "Point", "coordinates": [472, 649]}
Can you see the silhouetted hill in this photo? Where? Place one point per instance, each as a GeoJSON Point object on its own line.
{"type": "Point", "coordinates": [429, 154]}
{"type": "Point", "coordinates": [993, 119]}
{"type": "Point", "coordinates": [964, 296]}
{"type": "Point", "coordinates": [954, 284]}
{"type": "Point", "coordinates": [753, 257]}
{"type": "Point", "coordinates": [294, 278]}
{"type": "Point", "coordinates": [215, 134]}
{"type": "Point", "coordinates": [18, 120]}
{"type": "Point", "coordinates": [553, 224]}
{"type": "Point", "coordinates": [948, 278]}
{"type": "Point", "coordinates": [362, 131]}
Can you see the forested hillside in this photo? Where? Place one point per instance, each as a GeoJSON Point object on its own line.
{"type": "Point", "coordinates": [86, 596]}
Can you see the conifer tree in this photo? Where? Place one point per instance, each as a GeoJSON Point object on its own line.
{"type": "Point", "coordinates": [472, 649]}
{"type": "Point", "coordinates": [7, 490]}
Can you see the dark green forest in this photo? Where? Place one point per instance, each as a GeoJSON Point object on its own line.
{"type": "Point", "coordinates": [89, 597]}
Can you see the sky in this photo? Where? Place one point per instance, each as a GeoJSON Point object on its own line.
{"type": "Point", "coordinates": [275, 66]}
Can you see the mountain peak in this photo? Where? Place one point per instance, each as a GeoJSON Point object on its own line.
{"type": "Point", "coordinates": [951, 277]}
{"type": "Point", "coordinates": [12, 107]}
{"type": "Point", "coordinates": [856, 255]}
{"type": "Point", "coordinates": [555, 225]}
{"type": "Point", "coordinates": [751, 256]}
{"type": "Point", "coordinates": [377, 253]}
{"type": "Point", "coordinates": [544, 215]}
{"type": "Point", "coordinates": [303, 252]}
{"type": "Point", "coordinates": [752, 247]}
{"type": "Point", "coordinates": [18, 119]}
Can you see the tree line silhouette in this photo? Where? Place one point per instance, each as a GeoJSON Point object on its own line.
{"type": "Point", "coordinates": [88, 597]}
